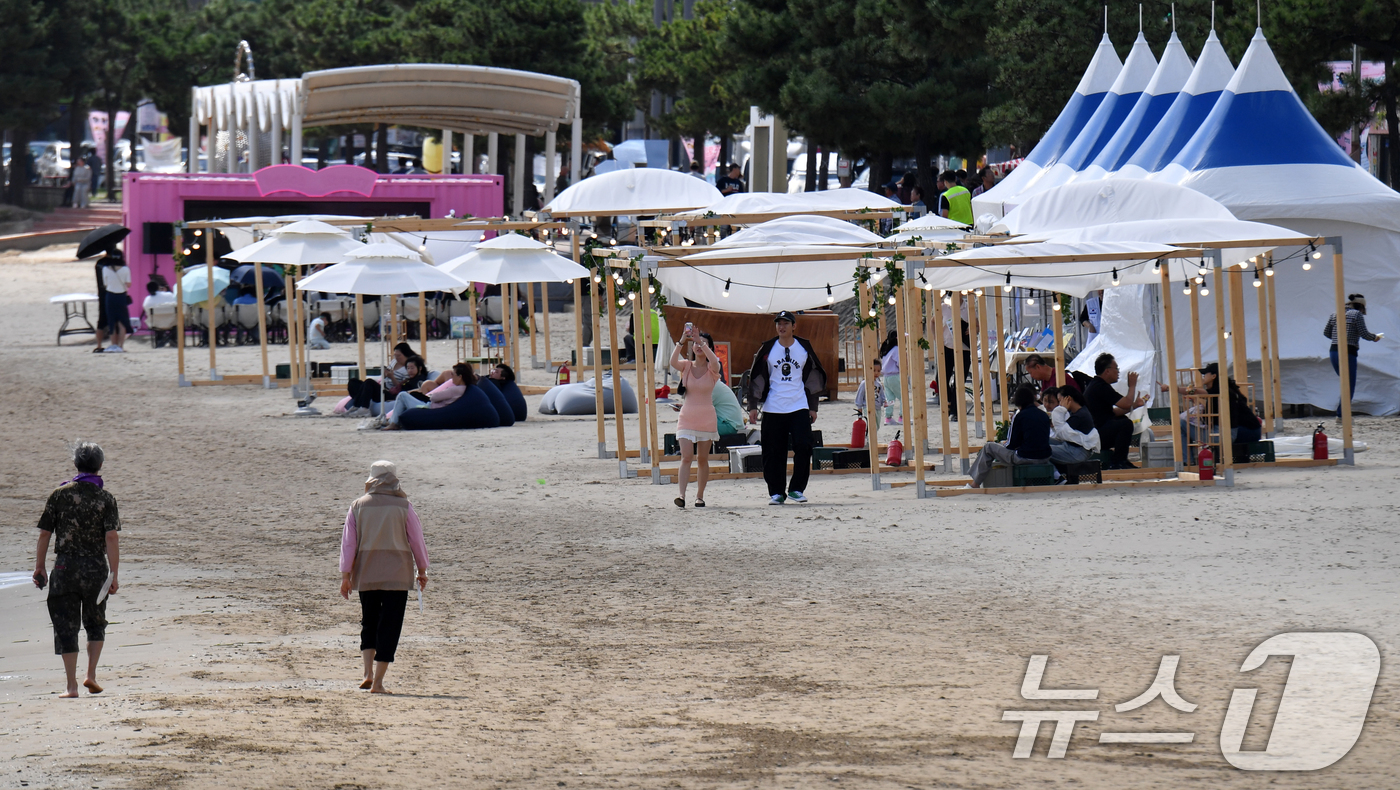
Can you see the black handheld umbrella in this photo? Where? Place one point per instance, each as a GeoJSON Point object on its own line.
{"type": "Point", "coordinates": [102, 240]}
{"type": "Point", "coordinates": [243, 275]}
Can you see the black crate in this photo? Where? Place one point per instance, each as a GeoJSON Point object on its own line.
{"type": "Point", "coordinates": [1254, 452]}
{"type": "Point", "coordinates": [1033, 475]}
{"type": "Point", "coordinates": [753, 463]}
{"type": "Point", "coordinates": [1082, 472]}
{"type": "Point", "coordinates": [669, 445]}
{"type": "Point", "coordinates": [822, 457]}
{"type": "Point", "coordinates": [728, 440]}
{"type": "Point", "coordinates": [850, 459]}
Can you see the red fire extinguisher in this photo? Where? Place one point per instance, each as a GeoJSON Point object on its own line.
{"type": "Point", "coordinates": [1205, 459]}
{"type": "Point", "coordinates": [858, 431]}
{"type": "Point", "coordinates": [663, 392]}
{"type": "Point", "coordinates": [1319, 444]}
{"type": "Point", "coordinates": [562, 376]}
{"type": "Point", "coordinates": [896, 454]}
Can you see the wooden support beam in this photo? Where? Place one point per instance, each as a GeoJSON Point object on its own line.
{"type": "Point", "coordinates": [1226, 461]}
{"type": "Point", "coordinates": [1238, 349]}
{"type": "Point", "coordinates": [360, 332]}
{"type": "Point", "coordinates": [1266, 359]}
{"type": "Point", "coordinates": [1343, 358]}
{"type": "Point", "coordinates": [1169, 330]}
{"type": "Point", "coordinates": [209, 305]}
{"type": "Point", "coordinates": [618, 419]}
{"type": "Point", "coordinates": [872, 414]}
{"type": "Point", "coordinates": [988, 411]}
{"type": "Point", "coordinates": [1274, 349]}
{"type": "Point", "coordinates": [945, 394]}
{"type": "Point", "coordinates": [960, 374]}
{"type": "Point", "coordinates": [1002, 380]}
{"type": "Point", "coordinates": [262, 320]}
{"type": "Point", "coordinates": [974, 334]}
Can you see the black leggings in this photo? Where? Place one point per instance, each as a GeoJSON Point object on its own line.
{"type": "Point", "coordinates": [363, 393]}
{"type": "Point", "coordinates": [783, 432]}
{"type": "Point", "coordinates": [381, 622]}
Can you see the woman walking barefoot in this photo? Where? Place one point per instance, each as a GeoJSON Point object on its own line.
{"type": "Point", "coordinates": [698, 425]}
{"type": "Point", "coordinates": [378, 549]}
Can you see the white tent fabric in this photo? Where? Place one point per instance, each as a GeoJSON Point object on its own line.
{"type": "Point", "coordinates": [1161, 92]}
{"type": "Point", "coordinates": [302, 243]}
{"type": "Point", "coordinates": [1093, 87]}
{"type": "Point", "coordinates": [742, 204]}
{"type": "Point", "coordinates": [1129, 311]}
{"type": "Point", "coordinates": [764, 287]}
{"type": "Point", "coordinates": [1109, 201]}
{"type": "Point", "coordinates": [1212, 73]}
{"type": "Point", "coordinates": [987, 267]}
{"type": "Point", "coordinates": [1188, 233]}
{"type": "Point", "coordinates": [164, 157]}
{"type": "Point", "coordinates": [1137, 72]}
{"type": "Point", "coordinates": [381, 269]}
{"type": "Point", "coordinates": [800, 229]}
{"type": "Point", "coordinates": [632, 192]}
{"type": "Point", "coordinates": [513, 258]}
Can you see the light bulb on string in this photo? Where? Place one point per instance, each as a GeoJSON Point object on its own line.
{"type": "Point", "coordinates": [621, 302]}
{"type": "Point", "coordinates": [1269, 270]}
{"type": "Point", "coordinates": [1205, 291]}
{"type": "Point", "coordinates": [1186, 287]}
{"type": "Point", "coordinates": [199, 233]}
{"type": "Point", "coordinates": [948, 299]}
{"type": "Point", "coordinates": [1257, 282]}
{"type": "Point", "coordinates": [1007, 287]}
{"type": "Point", "coordinates": [1157, 267]}
{"type": "Point", "coordinates": [1056, 305]}
{"type": "Point", "coordinates": [195, 245]}
{"type": "Point", "coordinates": [1317, 254]}
{"type": "Point", "coordinates": [1201, 270]}
{"type": "Point", "coordinates": [569, 281]}
{"type": "Point", "coordinates": [725, 293]}
{"type": "Point", "coordinates": [423, 247]}
{"type": "Point", "coordinates": [651, 289]}
{"type": "Point", "coordinates": [891, 299]}
{"type": "Point", "coordinates": [187, 250]}
{"type": "Point", "coordinates": [830, 298]}
{"type": "Point", "coordinates": [597, 278]}
{"type": "Point", "coordinates": [977, 292]}
{"type": "Point", "coordinates": [1115, 277]}
{"type": "Point", "coordinates": [1200, 280]}
{"type": "Point", "coordinates": [1307, 265]}
{"type": "Point", "coordinates": [631, 296]}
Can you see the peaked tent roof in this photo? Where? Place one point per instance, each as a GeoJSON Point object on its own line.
{"type": "Point", "coordinates": [1190, 108]}
{"type": "Point", "coordinates": [1137, 72]}
{"type": "Point", "coordinates": [1105, 202]}
{"type": "Point", "coordinates": [1172, 73]}
{"type": "Point", "coordinates": [631, 192]}
{"type": "Point", "coordinates": [1261, 153]}
{"type": "Point", "coordinates": [1093, 86]}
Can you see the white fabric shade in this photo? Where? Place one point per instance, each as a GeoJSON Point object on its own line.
{"type": "Point", "coordinates": [987, 267]}
{"type": "Point", "coordinates": [381, 269]}
{"type": "Point", "coordinates": [303, 243]}
{"type": "Point", "coordinates": [1108, 201]}
{"type": "Point", "coordinates": [513, 258]}
{"type": "Point", "coordinates": [779, 203]}
{"type": "Point", "coordinates": [633, 192]}
{"type": "Point", "coordinates": [801, 229]}
{"type": "Point", "coordinates": [759, 287]}
{"type": "Point", "coordinates": [1205, 232]}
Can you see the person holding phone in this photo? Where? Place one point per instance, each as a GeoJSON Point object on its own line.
{"type": "Point", "coordinates": [698, 424]}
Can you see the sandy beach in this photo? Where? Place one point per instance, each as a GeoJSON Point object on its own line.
{"type": "Point", "coordinates": [580, 631]}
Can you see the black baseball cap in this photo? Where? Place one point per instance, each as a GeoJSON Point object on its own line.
{"type": "Point", "coordinates": [1212, 369]}
{"type": "Point", "coordinates": [784, 315]}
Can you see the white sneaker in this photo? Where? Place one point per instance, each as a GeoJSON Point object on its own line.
{"type": "Point", "coordinates": [114, 350]}
{"type": "Point", "coordinates": [797, 497]}
{"type": "Point", "coordinates": [776, 499]}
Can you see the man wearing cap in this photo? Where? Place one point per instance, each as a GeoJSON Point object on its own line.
{"type": "Point", "coordinates": [785, 380]}
{"type": "Point", "coordinates": [1356, 332]}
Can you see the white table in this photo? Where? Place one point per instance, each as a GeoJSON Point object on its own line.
{"type": "Point", "coordinates": [74, 310]}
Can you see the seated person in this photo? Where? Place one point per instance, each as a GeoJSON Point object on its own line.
{"type": "Point", "coordinates": [1028, 441]}
{"type": "Point", "coordinates": [501, 372]}
{"type": "Point", "coordinates": [435, 397]}
{"type": "Point", "coordinates": [1042, 371]}
{"type": "Point", "coordinates": [316, 335]}
{"type": "Point", "coordinates": [364, 393]}
{"type": "Point", "coordinates": [1073, 438]}
{"type": "Point", "coordinates": [155, 297]}
{"type": "Point", "coordinates": [1109, 410]}
{"type": "Point", "coordinates": [1245, 425]}
{"type": "Point", "coordinates": [246, 296]}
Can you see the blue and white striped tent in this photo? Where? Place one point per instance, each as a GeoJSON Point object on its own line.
{"type": "Point", "coordinates": [1208, 79]}
{"type": "Point", "coordinates": [1093, 87]}
{"type": "Point", "coordinates": [1173, 72]}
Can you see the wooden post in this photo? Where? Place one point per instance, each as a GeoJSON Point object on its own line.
{"type": "Point", "coordinates": [393, 320]}
{"type": "Point", "coordinates": [578, 306]}
{"type": "Point", "coordinates": [1237, 332]}
{"type": "Point", "coordinates": [360, 332]}
{"type": "Point", "coordinates": [531, 322]}
{"type": "Point", "coordinates": [598, 359]}
{"type": "Point", "coordinates": [960, 373]}
{"type": "Point", "coordinates": [973, 334]}
{"type": "Point", "coordinates": [289, 303]}
{"type": "Point", "coordinates": [422, 325]}
{"type": "Point", "coordinates": [1274, 349]}
{"type": "Point", "coordinates": [989, 416]}
{"type": "Point", "coordinates": [1002, 381]}
{"type": "Point", "coordinates": [945, 394]}
{"type": "Point", "coordinates": [917, 432]}
{"type": "Point", "coordinates": [1226, 461]}
{"type": "Point", "coordinates": [1169, 329]}
{"type": "Point", "coordinates": [472, 296]}
{"type": "Point", "coordinates": [900, 332]}
{"type": "Point", "coordinates": [872, 441]}
{"type": "Point", "coordinates": [1343, 358]}
{"type": "Point", "coordinates": [1197, 364]}
{"type": "Point", "coordinates": [616, 376]}
{"type": "Point", "coordinates": [646, 384]}
{"type": "Point", "coordinates": [262, 321]}
{"type": "Point", "coordinates": [209, 305]}
{"type": "Point", "coordinates": [544, 295]}
{"type": "Point", "coordinates": [1058, 322]}
{"type": "Point", "coordinates": [510, 323]}
{"type": "Point", "coordinates": [644, 397]}
{"type": "Point", "coordinates": [180, 317]}
{"type": "Point", "coordinates": [1266, 360]}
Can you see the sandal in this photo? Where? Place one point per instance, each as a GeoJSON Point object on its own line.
{"type": "Point", "coordinates": [699, 503]}
{"type": "Point", "coordinates": [680, 503]}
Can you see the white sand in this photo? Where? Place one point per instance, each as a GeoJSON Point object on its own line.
{"type": "Point", "coordinates": [581, 631]}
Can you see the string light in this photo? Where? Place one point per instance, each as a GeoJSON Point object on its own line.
{"type": "Point", "coordinates": [1202, 269]}
{"type": "Point", "coordinates": [424, 246]}
{"type": "Point", "coordinates": [928, 286]}
{"type": "Point", "coordinates": [1115, 277]}
{"type": "Point", "coordinates": [1257, 282]}
{"type": "Point", "coordinates": [1056, 305]}
{"type": "Point", "coordinates": [569, 281]}
{"type": "Point", "coordinates": [891, 300]}
{"type": "Point", "coordinates": [830, 297]}
{"type": "Point", "coordinates": [631, 296]}
{"type": "Point", "coordinates": [612, 242]}
{"type": "Point", "coordinates": [199, 233]}
{"type": "Point", "coordinates": [1200, 280]}
{"type": "Point", "coordinates": [1186, 287]}
{"type": "Point", "coordinates": [621, 302]}
{"type": "Point", "coordinates": [1269, 270]}
{"type": "Point", "coordinates": [1226, 334]}
{"type": "Point", "coordinates": [874, 312]}
{"type": "Point", "coordinates": [1157, 267]}
{"type": "Point", "coordinates": [187, 250]}
{"type": "Point", "coordinates": [651, 289]}
{"type": "Point", "coordinates": [597, 278]}
{"type": "Point", "coordinates": [195, 245]}
{"type": "Point", "coordinates": [1205, 291]}
{"type": "Point", "coordinates": [1007, 288]}
{"type": "Point", "coordinates": [948, 299]}
{"type": "Point", "coordinates": [1307, 265]}
{"type": "Point", "coordinates": [725, 293]}
{"type": "Point", "coordinates": [1317, 255]}
{"type": "Point", "coordinates": [977, 292]}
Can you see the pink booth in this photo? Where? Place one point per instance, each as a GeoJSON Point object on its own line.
{"type": "Point", "coordinates": [151, 203]}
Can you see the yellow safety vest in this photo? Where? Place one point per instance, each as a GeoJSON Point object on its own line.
{"type": "Point", "coordinates": [959, 205]}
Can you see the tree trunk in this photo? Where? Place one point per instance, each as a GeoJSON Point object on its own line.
{"type": "Point", "coordinates": [19, 145]}
{"type": "Point", "coordinates": [881, 165]}
{"type": "Point", "coordinates": [924, 172]}
{"type": "Point", "coordinates": [381, 148]}
{"type": "Point", "coordinates": [350, 147]}
{"type": "Point", "coordinates": [823, 170]}
{"type": "Point", "coordinates": [111, 145]}
{"type": "Point", "coordinates": [1392, 122]}
{"type": "Point", "coordinates": [722, 166]}
{"type": "Point", "coordinates": [811, 175]}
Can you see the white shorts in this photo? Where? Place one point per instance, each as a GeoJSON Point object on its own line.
{"type": "Point", "coordinates": [698, 436]}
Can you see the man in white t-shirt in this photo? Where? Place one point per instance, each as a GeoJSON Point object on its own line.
{"type": "Point", "coordinates": [786, 379]}
{"type": "Point", "coordinates": [116, 279]}
{"type": "Point", "coordinates": [316, 335]}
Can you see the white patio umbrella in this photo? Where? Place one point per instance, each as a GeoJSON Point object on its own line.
{"type": "Point", "coordinates": [303, 243]}
{"type": "Point", "coordinates": [513, 258]}
{"type": "Point", "coordinates": [382, 269]}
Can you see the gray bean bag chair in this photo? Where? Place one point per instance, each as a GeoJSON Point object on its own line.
{"type": "Point", "coordinates": [581, 398]}
{"type": "Point", "coordinates": [503, 409]}
{"type": "Point", "coordinates": [514, 397]}
{"type": "Point", "coordinates": [473, 410]}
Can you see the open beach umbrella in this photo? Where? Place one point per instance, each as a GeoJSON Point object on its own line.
{"type": "Point", "coordinates": [513, 258]}
{"type": "Point", "coordinates": [381, 269]}
{"type": "Point", "coordinates": [303, 243]}
{"type": "Point", "coordinates": [102, 240]}
{"type": "Point", "coordinates": [194, 283]}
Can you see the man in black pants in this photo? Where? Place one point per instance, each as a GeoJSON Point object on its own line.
{"type": "Point", "coordinates": [786, 379]}
{"type": "Point", "coordinates": [1108, 409]}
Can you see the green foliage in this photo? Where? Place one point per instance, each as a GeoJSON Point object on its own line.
{"type": "Point", "coordinates": [30, 72]}
{"type": "Point", "coordinates": [687, 58]}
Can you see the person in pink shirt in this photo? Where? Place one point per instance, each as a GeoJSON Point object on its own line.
{"type": "Point", "coordinates": [379, 547]}
{"type": "Point", "coordinates": [432, 395]}
{"type": "Point", "coordinates": [697, 425]}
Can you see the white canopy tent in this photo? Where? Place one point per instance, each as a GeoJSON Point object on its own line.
{"type": "Point", "coordinates": [512, 258]}
{"type": "Point", "coordinates": [800, 229]}
{"type": "Point", "coordinates": [739, 279]}
{"type": "Point", "coordinates": [779, 204]}
{"type": "Point", "coordinates": [634, 192]}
